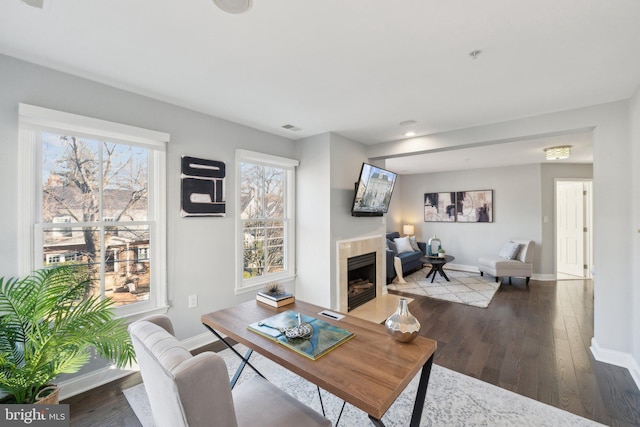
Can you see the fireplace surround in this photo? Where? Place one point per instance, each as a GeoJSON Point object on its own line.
{"type": "Point", "coordinates": [355, 248]}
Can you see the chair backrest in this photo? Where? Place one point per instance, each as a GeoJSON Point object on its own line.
{"type": "Point", "coordinates": [527, 250]}
{"type": "Point", "coordinates": [183, 389]}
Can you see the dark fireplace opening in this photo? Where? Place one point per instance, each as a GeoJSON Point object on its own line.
{"type": "Point", "coordinates": [361, 276]}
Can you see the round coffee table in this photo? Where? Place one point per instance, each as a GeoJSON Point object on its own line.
{"type": "Point", "coordinates": [436, 265]}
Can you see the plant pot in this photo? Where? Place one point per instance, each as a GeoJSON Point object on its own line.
{"type": "Point", "coordinates": [440, 255]}
{"type": "Point", "coordinates": [48, 395]}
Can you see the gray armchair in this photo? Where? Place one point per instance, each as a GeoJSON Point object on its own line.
{"type": "Point", "coordinates": [186, 390]}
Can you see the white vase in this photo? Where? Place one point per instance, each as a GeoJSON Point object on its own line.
{"type": "Point", "coordinates": [402, 325]}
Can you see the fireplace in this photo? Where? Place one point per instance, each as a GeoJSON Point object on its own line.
{"type": "Point", "coordinates": [361, 280]}
{"type": "Point", "coordinates": [356, 252]}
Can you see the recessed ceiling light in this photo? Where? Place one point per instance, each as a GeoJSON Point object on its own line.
{"type": "Point", "coordinates": [408, 123]}
{"type": "Point", "coordinates": [233, 6]}
{"type": "Point", "coordinates": [410, 133]}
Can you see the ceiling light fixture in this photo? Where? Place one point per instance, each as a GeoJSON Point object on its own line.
{"type": "Point", "coordinates": [233, 6]}
{"type": "Point", "coordinates": [410, 133]}
{"type": "Point", "coordinates": [558, 153]}
{"type": "Point", "coordinates": [407, 123]}
{"type": "Point", "coordinates": [475, 54]}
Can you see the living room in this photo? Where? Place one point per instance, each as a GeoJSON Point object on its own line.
{"type": "Point", "coordinates": [201, 255]}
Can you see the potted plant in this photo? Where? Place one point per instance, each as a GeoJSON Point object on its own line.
{"type": "Point", "coordinates": [441, 253]}
{"type": "Point", "coordinates": [48, 325]}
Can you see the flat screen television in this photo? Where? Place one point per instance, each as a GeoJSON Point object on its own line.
{"type": "Point", "coordinates": [373, 191]}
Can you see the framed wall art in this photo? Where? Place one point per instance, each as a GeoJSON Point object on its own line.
{"type": "Point", "coordinates": [439, 207]}
{"type": "Point", "coordinates": [474, 206]}
{"type": "Point", "coordinates": [202, 187]}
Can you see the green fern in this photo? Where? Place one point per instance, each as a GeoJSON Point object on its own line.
{"type": "Point", "coordinates": [48, 327]}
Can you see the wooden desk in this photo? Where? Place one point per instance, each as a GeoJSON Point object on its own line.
{"type": "Point", "coordinates": [369, 371]}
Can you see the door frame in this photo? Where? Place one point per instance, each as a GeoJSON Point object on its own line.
{"type": "Point", "coordinates": [587, 205]}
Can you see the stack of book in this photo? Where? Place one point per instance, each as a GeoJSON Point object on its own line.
{"type": "Point", "coordinates": [275, 300]}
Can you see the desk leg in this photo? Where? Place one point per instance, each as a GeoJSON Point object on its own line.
{"type": "Point", "coordinates": [245, 358]}
{"type": "Point", "coordinates": [376, 422]}
{"type": "Point", "coordinates": [421, 394]}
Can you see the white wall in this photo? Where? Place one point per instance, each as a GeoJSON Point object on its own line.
{"type": "Point", "coordinates": [313, 223]}
{"type": "Point", "coordinates": [516, 210]}
{"type": "Point", "coordinates": [614, 200]}
{"type": "Point", "coordinates": [634, 114]}
{"type": "Point", "coordinates": [329, 167]}
{"type": "Point", "coordinates": [200, 250]}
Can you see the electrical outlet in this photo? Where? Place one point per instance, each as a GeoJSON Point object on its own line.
{"type": "Point", "coordinates": [193, 301]}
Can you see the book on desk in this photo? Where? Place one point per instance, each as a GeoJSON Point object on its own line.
{"type": "Point", "coordinates": [325, 336]}
{"type": "Point", "coordinates": [277, 300]}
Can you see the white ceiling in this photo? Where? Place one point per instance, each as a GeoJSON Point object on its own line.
{"type": "Point", "coordinates": [355, 67]}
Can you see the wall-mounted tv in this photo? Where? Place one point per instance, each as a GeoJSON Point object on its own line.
{"type": "Point", "coordinates": [373, 191]}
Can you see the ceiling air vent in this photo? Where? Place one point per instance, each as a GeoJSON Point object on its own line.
{"type": "Point", "coordinates": [291, 127]}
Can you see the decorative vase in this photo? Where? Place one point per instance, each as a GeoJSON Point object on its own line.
{"type": "Point", "coordinates": [402, 325]}
{"type": "Point", "coordinates": [433, 246]}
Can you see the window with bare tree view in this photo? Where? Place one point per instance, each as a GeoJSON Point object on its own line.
{"type": "Point", "coordinates": [95, 213]}
{"type": "Point", "coordinates": [265, 214]}
{"type": "Point", "coordinates": [96, 204]}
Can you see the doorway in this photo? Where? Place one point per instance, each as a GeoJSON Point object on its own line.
{"type": "Point", "coordinates": [574, 224]}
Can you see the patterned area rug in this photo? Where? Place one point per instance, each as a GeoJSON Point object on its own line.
{"type": "Point", "coordinates": [452, 399]}
{"type": "Point", "coordinates": [463, 287]}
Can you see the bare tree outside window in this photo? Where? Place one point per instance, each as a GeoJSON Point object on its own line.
{"type": "Point", "coordinates": [262, 204]}
{"type": "Point", "coordinates": [96, 194]}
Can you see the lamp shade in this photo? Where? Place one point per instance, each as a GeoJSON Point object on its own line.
{"type": "Point", "coordinates": [558, 153]}
{"type": "Point", "coordinates": [408, 230]}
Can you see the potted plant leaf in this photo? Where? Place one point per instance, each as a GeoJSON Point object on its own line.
{"type": "Point", "coordinates": [48, 325]}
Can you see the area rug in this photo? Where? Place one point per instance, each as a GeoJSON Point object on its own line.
{"type": "Point", "coordinates": [463, 287]}
{"type": "Point", "coordinates": [452, 399]}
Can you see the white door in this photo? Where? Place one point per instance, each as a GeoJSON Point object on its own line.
{"type": "Point", "coordinates": [570, 227]}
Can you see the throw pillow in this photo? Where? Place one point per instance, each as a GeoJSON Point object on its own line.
{"type": "Point", "coordinates": [414, 244]}
{"type": "Point", "coordinates": [509, 250]}
{"type": "Point", "coordinates": [392, 246]}
{"type": "Point", "coordinates": [403, 245]}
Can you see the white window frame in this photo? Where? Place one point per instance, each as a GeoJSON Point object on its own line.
{"type": "Point", "coordinates": [286, 276]}
{"type": "Point", "coordinates": [33, 119]}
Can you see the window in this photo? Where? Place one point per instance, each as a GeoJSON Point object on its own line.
{"type": "Point", "coordinates": [94, 202]}
{"type": "Point", "coordinates": [266, 201]}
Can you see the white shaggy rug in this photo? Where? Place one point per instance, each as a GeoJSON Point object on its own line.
{"type": "Point", "coordinates": [452, 399]}
{"type": "Point", "coordinates": [463, 287]}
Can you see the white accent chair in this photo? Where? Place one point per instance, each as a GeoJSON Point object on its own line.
{"type": "Point", "coordinates": [186, 390]}
{"type": "Point", "coordinates": [520, 266]}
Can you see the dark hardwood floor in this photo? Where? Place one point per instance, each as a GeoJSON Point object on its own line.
{"type": "Point", "coordinates": [534, 342]}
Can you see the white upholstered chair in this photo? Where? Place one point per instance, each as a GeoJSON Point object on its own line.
{"type": "Point", "coordinates": [186, 390]}
{"type": "Point", "coordinates": [501, 266]}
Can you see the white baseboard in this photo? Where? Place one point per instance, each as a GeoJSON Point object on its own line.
{"type": "Point", "coordinates": [198, 341]}
{"type": "Point", "coordinates": [93, 379]}
{"type": "Point", "coordinates": [618, 358]}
